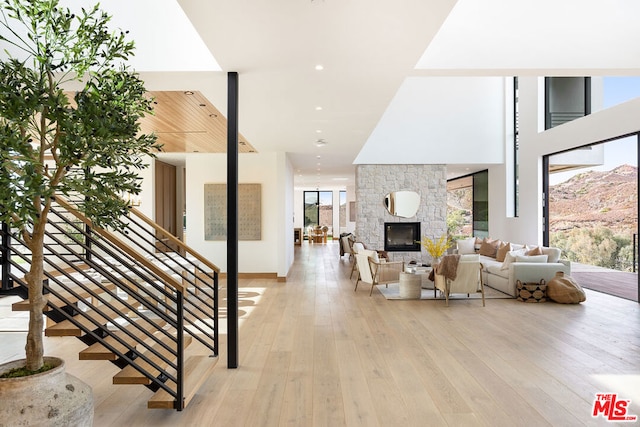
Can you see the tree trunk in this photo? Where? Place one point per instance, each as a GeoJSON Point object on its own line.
{"type": "Point", "coordinates": [34, 348]}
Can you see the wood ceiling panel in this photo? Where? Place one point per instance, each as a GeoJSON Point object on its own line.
{"type": "Point", "coordinates": [186, 122]}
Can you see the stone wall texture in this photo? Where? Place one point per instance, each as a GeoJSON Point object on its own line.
{"type": "Point", "coordinates": [374, 182]}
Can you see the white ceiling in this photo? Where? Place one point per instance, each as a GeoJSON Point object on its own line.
{"type": "Point", "coordinates": [369, 50]}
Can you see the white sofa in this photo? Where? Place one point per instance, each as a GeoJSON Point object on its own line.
{"type": "Point", "coordinates": [502, 275]}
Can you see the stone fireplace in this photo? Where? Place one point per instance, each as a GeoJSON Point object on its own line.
{"type": "Point", "coordinates": [374, 182]}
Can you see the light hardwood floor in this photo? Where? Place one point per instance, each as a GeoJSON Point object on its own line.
{"type": "Point", "coordinates": [315, 353]}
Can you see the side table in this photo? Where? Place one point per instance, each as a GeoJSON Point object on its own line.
{"type": "Point", "coordinates": [410, 285]}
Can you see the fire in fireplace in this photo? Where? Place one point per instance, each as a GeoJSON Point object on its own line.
{"type": "Point", "coordinates": [402, 236]}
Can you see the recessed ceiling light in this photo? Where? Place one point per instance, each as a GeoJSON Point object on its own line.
{"type": "Point", "coordinates": [318, 131]}
{"type": "Point", "coordinates": [318, 108]}
{"type": "Point", "coordinates": [319, 67]}
{"type": "Point", "coordinates": [321, 142]}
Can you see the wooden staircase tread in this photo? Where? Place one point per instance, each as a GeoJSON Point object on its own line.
{"type": "Point", "coordinates": [98, 351]}
{"type": "Point", "coordinates": [130, 375]}
{"type": "Point", "coordinates": [197, 370]}
{"type": "Point", "coordinates": [67, 328]}
{"type": "Point", "coordinates": [82, 294]}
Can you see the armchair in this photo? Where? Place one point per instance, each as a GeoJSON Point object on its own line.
{"type": "Point", "coordinates": [467, 278]}
{"type": "Point", "coordinates": [346, 245]}
{"type": "Point", "coordinates": [376, 272]}
{"type": "Point", "coordinates": [355, 248]}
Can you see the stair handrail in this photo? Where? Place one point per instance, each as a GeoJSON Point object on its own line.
{"type": "Point", "coordinates": [174, 239]}
{"type": "Point", "coordinates": [122, 241]}
{"type": "Point", "coordinates": [121, 245]}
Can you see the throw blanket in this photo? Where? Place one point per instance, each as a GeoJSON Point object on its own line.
{"type": "Point", "coordinates": [447, 267]}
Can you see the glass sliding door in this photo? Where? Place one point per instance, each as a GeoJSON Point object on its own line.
{"type": "Point", "coordinates": [468, 205]}
{"type": "Point", "coordinates": [318, 209]}
{"type": "Point", "coordinates": [593, 196]}
{"type": "Point", "coordinates": [591, 213]}
{"type": "Point", "coordinates": [310, 209]}
{"type": "Point", "coordinates": [460, 207]}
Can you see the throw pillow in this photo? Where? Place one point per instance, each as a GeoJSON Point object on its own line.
{"type": "Point", "coordinates": [478, 243]}
{"type": "Point", "coordinates": [489, 247]}
{"type": "Point", "coordinates": [510, 257]}
{"type": "Point", "coordinates": [532, 258]}
{"type": "Point", "coordinates": [534, 251]}
{"type": "Point", "coordinates": [466, 246]}
{"type": "Point", "coordinates": [552, 253]}
{"type": "Point", "coordinates": [504, 248]}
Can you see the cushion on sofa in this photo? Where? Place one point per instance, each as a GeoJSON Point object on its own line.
{"type": "Point", "coordinates": [502, 251]}
{"type": "Point", "coordinates": [511, 257]}
{"type": "Point", "coordinates": [496, 269]}
{"type": "Point", "coordinates": [536, 250]}
{"type": "Point", "coordinates": [516, 246]}
{"type": "Point", "coordinates": [466, 246]}
{"type": "Point", "coordinates": [489, 247]}
{"type": "Point", "coordinates": [470, 258]}
{"type": "Point", "coordinates": [532, 258]}
{"type": "Point", "coordinates": [552, 253]}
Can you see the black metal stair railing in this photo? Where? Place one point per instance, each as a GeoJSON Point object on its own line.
{"type": "Point", "coordinates": [121, 294]}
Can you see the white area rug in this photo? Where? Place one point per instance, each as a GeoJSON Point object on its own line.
{"type": "Point", "coordinates": [393, 293]}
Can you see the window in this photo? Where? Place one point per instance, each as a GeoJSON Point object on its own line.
{"type": "Point", "coordinates": [566, 99]}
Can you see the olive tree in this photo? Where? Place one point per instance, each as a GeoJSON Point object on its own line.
{"type": "Point", "coordinates": [47, 133]}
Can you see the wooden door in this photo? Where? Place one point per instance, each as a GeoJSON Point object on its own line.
{"type": "Point", "coordinates": [166, 212]}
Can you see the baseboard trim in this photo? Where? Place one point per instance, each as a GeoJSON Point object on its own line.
{"type": "Point", "coordinates": [253, 276]}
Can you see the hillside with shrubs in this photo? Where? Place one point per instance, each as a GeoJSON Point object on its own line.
{"type": "Point", "coordinates": [593, 217]}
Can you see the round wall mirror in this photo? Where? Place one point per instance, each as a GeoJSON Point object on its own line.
{"type": "Point", "coordinates": [402, 203]}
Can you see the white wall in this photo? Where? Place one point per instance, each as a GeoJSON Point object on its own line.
{"type": "Point", "coordinates": [285, 205]}
{"type": "Point", "coordinates": [440, 120]}
{"type": "Point", "coordinates": [271, 254]}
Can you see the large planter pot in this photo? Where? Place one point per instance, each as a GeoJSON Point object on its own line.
{"type": "Point", "coordinates": [52, 398]}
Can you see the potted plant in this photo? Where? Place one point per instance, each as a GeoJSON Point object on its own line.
{"type": "Point", "coordinates": [46, 133]}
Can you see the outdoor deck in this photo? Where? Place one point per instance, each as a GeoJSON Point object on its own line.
{"type": "Point", "coordinates": [618, 283]}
